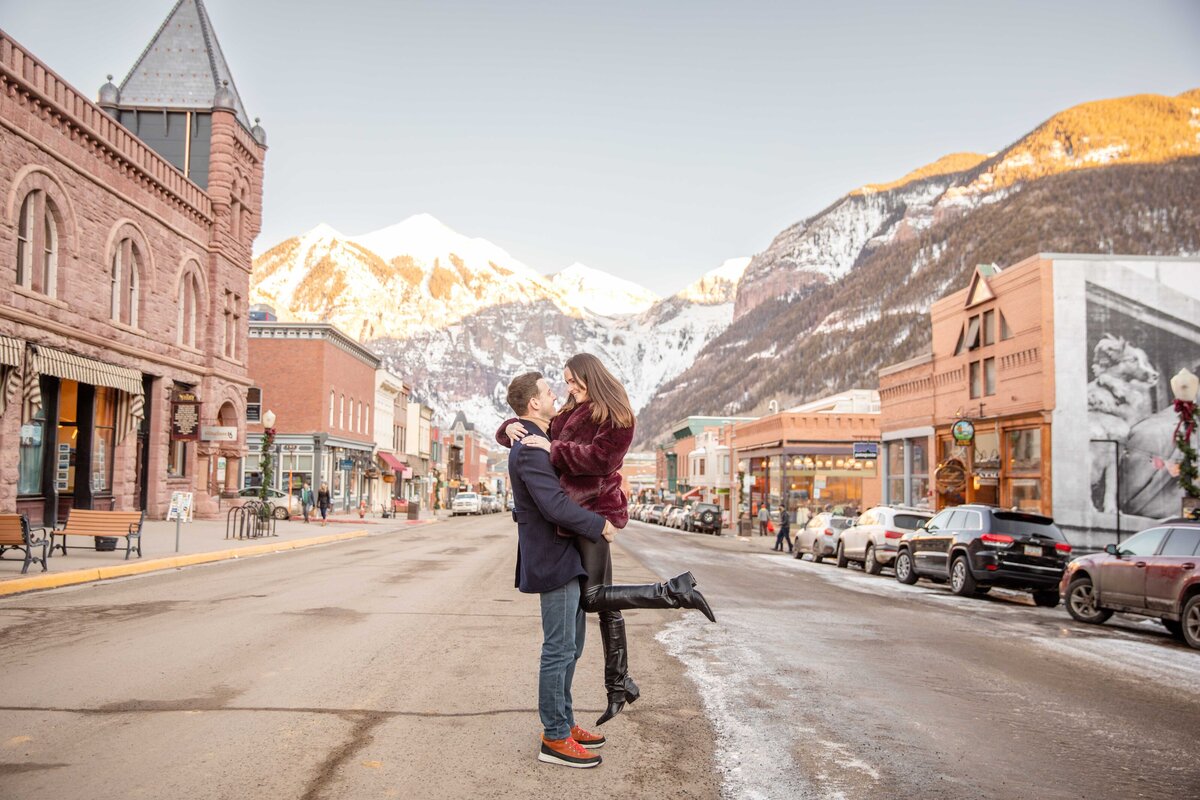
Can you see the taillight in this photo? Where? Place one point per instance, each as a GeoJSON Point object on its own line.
{"type": "Point", "coordinates": [1062, 547]}
{"type": "Point", "coordinates": [828, 532]}
{"type": "Point", "coordinates": [997, 540]}
{"type": "Point", "coordinates": [893, 534]}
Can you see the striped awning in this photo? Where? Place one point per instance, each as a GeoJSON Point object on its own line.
{"type": "Point", "coordinates": [10, 351]}
{"type": "Point", "coordinates": [10, 370]}
{"type": "Point", "coordinates": [60, 364]}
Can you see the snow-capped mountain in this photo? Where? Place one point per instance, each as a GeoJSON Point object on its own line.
{"type": "Point", "coordinates": [458, 316]}
{"type": "Point", "coordinates": [602, 293]}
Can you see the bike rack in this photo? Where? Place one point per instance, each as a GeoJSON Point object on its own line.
{"type": "Point", "coordinates": [251, 520]}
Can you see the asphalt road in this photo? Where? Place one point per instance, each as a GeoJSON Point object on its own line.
{"type": "Point", "coordinates": [404, 665]}
{"type": "Point", "coordinates": [830, 683]}
{"type": "Point", "coordinates": [400, 665]}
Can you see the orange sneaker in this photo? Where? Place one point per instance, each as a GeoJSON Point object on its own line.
{"type": "Point", "coordinates": [587, 738]}
{"type": "Point", "coordinates": [567, 752]}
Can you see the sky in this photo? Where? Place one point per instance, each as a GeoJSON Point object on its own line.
{"type": "Point", "coordinates": [651, 140]}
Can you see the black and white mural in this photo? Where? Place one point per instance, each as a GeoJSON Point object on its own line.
{"type": "Point", "coordinates": [1141, 321]}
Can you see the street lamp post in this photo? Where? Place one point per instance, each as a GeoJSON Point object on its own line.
{"type": "Point", "coordinates": [264, 462]}
{"type": "Point", "coordinates": [1185, 386]}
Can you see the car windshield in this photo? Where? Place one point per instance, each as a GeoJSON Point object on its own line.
{"type": "Point", "coordinates": [840, 522]}
{"type": "Point", "coordinates": [466, 496]}
{"type": "Point", "coordinates": [909, 522]}
{"type": "Point", "coordinates": [702, 507]}
{"type": "Point", "coordinates": [1015, 524]}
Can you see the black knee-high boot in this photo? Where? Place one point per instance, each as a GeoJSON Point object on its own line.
{"type": "Point", "coordinates": [620, 687]}
{"type": "Point", "coordinates": [679, 592]}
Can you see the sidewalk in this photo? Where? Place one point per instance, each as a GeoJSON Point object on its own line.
{"type": "Point", "coordinates": [200, 542]}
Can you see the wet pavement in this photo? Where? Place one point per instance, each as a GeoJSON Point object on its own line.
{"type": "Point", "coordinates": [829, 683]}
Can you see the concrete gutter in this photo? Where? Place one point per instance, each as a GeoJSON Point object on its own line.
{"type": "Point", "coordinates": [54, 580]}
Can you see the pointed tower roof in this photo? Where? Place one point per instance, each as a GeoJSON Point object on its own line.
{"type": "Point", "coordinates": [183, 67]}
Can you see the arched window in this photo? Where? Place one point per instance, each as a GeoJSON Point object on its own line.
{"type": "Point", "coordinates": [189, 326]}
{"type": "Point", "coordinates": [331, 403]}
{"type": "Point", "coordinates": [125, 278]}
{"type": "Point", "coordinates": [37, 244]}
{"type": "Point", "coordinates": [367, 420]}
{"type": "Point", "coordinates": [342, 413]}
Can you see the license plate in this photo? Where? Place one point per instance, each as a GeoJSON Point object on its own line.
{"type": "Point", "coordinates": [1033, 550]}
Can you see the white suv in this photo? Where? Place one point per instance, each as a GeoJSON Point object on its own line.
{"type": "Point", "coordinates": [466, 503]}
{"type": "Point", "coordinates": [873, 539]}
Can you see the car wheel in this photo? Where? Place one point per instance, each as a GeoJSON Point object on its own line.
{"type": "Point", "coordinates": [870, 565]}
{"type": "Point", "coordinates": [280, 512]}
{"type": "Point", "coordinates": [816, 552]}
{"type": "Point", "coordinates": [1174, 627]}
{"type": "Point", "coordinates": [1081, 603]}
{"type": "Point", "coordinates": [904, 568]}
{"type": "Point", "coordinates": [1191, 621]}
{"type": "Point", "coordinates": [842, 562]}
{"type": "Point", "coordinates": [962, 582]}
{"type": "Point", "coordinates": [1046, 599]}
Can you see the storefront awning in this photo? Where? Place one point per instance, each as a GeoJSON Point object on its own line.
{"type": "Point", "coordinates": [10, 370]}
{"type": "Point", "coordinates": [692, 493]}
{"type": "Point", "coordinates": [68, 366]}
{"type": "Point", "coordinates": [392, 462]}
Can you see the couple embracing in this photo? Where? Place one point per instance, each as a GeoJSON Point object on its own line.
{"type": "Point", "coordinates": [568, 505]}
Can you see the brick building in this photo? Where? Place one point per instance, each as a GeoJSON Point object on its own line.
{"type": "Point", "coordinates": [466, 457]}
{"type": "Point", "coordinates": [320, 383]}
{"type": "Point", "coordinates": [126, 229]}
{"type": "Point", "coordinates": [1046, 389]}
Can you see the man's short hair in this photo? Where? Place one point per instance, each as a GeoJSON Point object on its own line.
{"type": "Point", "coordinates": [521, 390]}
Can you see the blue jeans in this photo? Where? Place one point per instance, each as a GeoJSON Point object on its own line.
{"type": "Point", "coordinates": [563, 630]}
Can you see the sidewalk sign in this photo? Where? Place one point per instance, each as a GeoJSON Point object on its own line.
{"type": "Point", "coordinates": [180, 510]}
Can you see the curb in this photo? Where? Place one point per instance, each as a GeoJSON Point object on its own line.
{"type": "Point", "coordinates": [91, 575]}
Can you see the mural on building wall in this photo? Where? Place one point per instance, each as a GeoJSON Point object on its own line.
{"type": "Point", "coordinates": [1135, 347]}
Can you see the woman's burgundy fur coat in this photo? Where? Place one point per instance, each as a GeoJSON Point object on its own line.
{"type": "Point", "coordinates": [588, 458]}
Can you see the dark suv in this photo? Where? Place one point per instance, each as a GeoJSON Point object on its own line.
{"type": "Point", "coordinates": [703, 517]}
{"type": "Point", "coordinates": [1154, 574]}
{"type": "Point", "coordinates": [976, 547]}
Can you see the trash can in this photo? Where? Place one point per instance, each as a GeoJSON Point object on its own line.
{"type": "Point", "coordinates": [106, 543]}
{"type": "Point", "coordinates": [414, 511]}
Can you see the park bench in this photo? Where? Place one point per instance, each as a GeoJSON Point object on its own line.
{"type": "Point", "coordinates": [97, 524]}
{"type": "Point", "coordinates": [15, 534]}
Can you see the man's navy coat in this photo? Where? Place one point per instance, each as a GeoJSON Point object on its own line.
{"type": "Point", "coordinates": [545, 560]}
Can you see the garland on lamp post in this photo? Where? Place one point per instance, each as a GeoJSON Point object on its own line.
{"type": "Point", "coordinates": [1185, 386]}
{"type": "Point", "coordinates": [264, 462]}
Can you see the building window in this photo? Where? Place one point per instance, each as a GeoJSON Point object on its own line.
{"type": "Point", "coordinates": [989, 376]}
{"type": "Point", "coordinates": [976, 386]}
{"type": "Point", "coordinates": [989, 327]}
{"type": "Point", "coordinates": [894, 453]}
{"type": "Point", "coordinates": [103, 437]}
{"type": "Point", "coordinates": [37, 244]}
{"type": "Point", "coordinates": [919, 450]}
{"type": "Point", "coordinates": [342, 412]}
{"type": "Point", "coordinates": [367, 420]}
{"type": "Point", "coordinates": [254, 404]}
{"type": "Point", "coordinates": [1025, 450]}
{"type": "Point", "coordinates": [177, 459]}
{"type": "Point", "coordinates": [189, 310]}
{"type": "Point", "coordinates": [124, 277]}
{"type": "Point", "coordinates": [1005, 331]}
{"type": "Point", "coordinates": [233, 318]}
{"type": "Point", "coordinates": [29, 466]}
{"type": "Point", "coordinates": [331, 404]}
{"type": "Point", "coordinates": [972, 341]}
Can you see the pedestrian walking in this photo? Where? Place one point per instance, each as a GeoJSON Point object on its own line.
{"type": "Point", "coordinates": [323, 503]}
{"type": "Point", "coordinates": [785, 531]}
{"type": "Point", "coordinates": [306, 500]}
{"type": "Point", "coordinates": [764, 519]}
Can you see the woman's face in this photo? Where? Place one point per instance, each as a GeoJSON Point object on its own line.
{"type": "Point", "coordinates": [575, 387]}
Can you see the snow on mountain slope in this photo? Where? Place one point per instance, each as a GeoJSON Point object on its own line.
{"type": "Point", "coordinates": [719, 285]}
{"type": "Point", "coordinates": [602, 293]}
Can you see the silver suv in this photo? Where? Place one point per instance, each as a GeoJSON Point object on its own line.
{"type": "Point", "coordinates": [872, 541]}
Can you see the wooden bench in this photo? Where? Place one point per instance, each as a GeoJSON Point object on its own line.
{"type": "Point", "coordinates": [15, 534]}
{"type": "Point", "coordinates": [85, 522]}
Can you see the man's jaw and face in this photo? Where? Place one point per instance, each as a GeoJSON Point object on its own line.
{"type": "Point", "coordinates": [541, 405]}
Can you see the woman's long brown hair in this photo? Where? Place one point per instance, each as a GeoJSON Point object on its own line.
{"type": "Point", "coordinates": [606, 394]}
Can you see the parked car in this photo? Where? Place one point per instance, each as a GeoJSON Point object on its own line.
{"type": "Point", "coordinates": [656, 513]}
{"type": "Point", "coordinates": [277, 499]}
{"type": "Point", "coordinates": [976, 547]}
{"type": "Point", "coordinates": [1154, 574]}
{"type": "Point", "coordinates": [703, 518]}
{"type": "Point", "coordinates": [674, 517]}
{"type": "Point", "coordinates": [872, 541]}
{"type": "Point", "coordinates": [820, 537]}
{"type": "Point", "coordinates": [466, 503]}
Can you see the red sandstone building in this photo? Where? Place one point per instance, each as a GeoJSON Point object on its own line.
{"type": "Point", "coordinates": [126, 230]}
{"type": "Point", "coordinates": [320, 384]}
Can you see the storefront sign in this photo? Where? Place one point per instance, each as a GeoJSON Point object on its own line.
{"type": "Point", "coordinates": [181, 507]}
{"type": "Point", "coordinates": [218, 433]}
{"type": "Point", "coordinates": [866, 450]}
{"type": "Point", "coordinates": [185, 417]}
{"type": "Point", "coordinates": [951, 477]}
{"type": "Point", "coordinates": [346, 463]}
{"type": "Point", "coordinates": [406, 474]}
{"type": "Point", "coordinates": [963, 431]}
